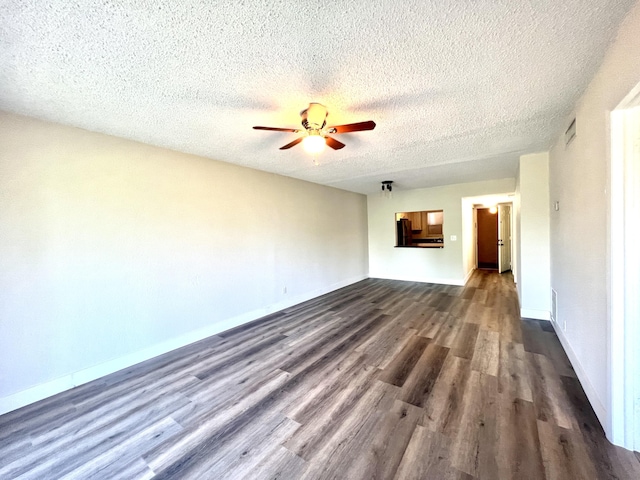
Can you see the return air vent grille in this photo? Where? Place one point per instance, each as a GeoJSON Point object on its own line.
{"type": "Point", "coordinates": [554, 305]}
{"type": "Point", "coordinates": [570, 134]}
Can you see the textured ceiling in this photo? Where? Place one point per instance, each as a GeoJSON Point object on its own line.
{"type": "Point", "coordinates": [458, 89]}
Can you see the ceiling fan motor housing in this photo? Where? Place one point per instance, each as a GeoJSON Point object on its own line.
{"type": "Point", "coordinates": [314, 117]}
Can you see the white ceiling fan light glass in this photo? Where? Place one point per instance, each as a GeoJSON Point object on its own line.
{"type": "Point", "coordinates": [313, 143]}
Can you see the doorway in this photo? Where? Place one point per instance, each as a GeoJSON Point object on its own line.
{"type": "Point", "coordinates": [624, 334]}
{"type": "Point", "coordinates": [487, 238]}
{"type": "Point", "coordinates": [493, 237]}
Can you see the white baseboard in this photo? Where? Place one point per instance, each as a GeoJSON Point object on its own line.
{"type": "Point", "coordinates": [537, 314]}
{"type": "Point", "coordinates": [80, 377]}
{"type": "Point", "coordinates": [441, 281]}
{"type": "Point", "coordinates": [460, 282]}
{"type": "Point", "coordinates": [468, 276]}
{"type": "Point", "coordinates": [589, 390]}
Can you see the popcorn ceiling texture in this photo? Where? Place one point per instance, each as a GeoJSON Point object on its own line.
{"type": "Point", "coordinates": [458, 89]}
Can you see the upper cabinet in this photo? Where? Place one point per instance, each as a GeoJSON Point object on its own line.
{"type": "Point", "coordinates": [416, 221]}
{"type": "Point", "coordinates": [434, 218]}
{"type": "Point", "coordinates": [434, 222]}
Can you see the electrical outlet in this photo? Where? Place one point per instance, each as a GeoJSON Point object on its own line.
{"type": "Point", "coordinates": [284, 290]}
{"type": "Point", "coordinates": [453, 238]}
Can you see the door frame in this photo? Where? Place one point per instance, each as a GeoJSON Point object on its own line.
{"type": "Point", "coordinates": [501, 206]}
{"type": "Point", "coordinates": [624, 280]}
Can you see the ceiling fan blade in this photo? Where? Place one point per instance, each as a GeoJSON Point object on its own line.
{"type": "Point", "coordinates": [333, 143]}
{"type": "Point", "coordinates": [353, 127]}
{"type": "Point", "coordinates": [275, 129]}
{"type": "Point", "coordinates": [292, 144]}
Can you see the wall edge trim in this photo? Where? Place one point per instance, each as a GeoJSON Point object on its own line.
{"type": "Point", "coordinates": [536, 314]}
{"type": "Point", "coordinates": [440, 281]}
{"type": "Point", "coordinates": [589, 390]}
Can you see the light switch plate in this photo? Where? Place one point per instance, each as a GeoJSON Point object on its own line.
{"type": "Point", "coordinates": [453, 238]}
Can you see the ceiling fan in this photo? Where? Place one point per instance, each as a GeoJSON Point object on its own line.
{"type": "Point", "coordinates": [316, 134]}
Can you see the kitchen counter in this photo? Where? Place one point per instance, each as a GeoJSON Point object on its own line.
{"type": "Point", "coordinates": [422, 245]}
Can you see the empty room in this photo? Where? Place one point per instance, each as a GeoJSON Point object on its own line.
{"type": "Point", "coordinates": [319, 240]}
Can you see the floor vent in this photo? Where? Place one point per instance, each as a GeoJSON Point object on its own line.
{"type": "Point", "coordinates": [554, 305]}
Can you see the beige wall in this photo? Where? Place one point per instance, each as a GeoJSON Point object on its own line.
{"type": "Point", "coordinates": [532, 218]}
{"type": "Point", "coordinates": [112, 251]}
{"type": "Point", "coordinates": [579, 181]}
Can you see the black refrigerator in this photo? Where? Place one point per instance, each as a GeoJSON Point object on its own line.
{"type": "Point", "coordinates": [403, 229]}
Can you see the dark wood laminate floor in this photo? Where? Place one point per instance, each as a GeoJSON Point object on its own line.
{"type": "Point", "coordinates": [382, 379]}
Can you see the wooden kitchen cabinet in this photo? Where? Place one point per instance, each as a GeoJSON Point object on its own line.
{"type": "Point", "coordinates": [434, 218]}
{"type": "Point", "coordinates": [434, 223]}
{"type": "Point", "coordinates": [416, 220]}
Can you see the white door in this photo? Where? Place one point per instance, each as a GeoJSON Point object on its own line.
{"type": "Point", "coordinates": [504, 238]}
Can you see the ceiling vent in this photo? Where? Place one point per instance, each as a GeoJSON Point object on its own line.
{"type": "Point", "coordinates": [570, 134]}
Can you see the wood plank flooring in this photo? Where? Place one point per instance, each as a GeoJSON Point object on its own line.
{"type": "Point", "coordinates": [379, 380]}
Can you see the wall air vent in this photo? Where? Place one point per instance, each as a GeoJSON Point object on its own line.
{"type": "Point", "coordinates": [570, 134]}
{"type": "Point", "coordinates": [554, 306]}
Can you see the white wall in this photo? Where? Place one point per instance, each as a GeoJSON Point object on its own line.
{"type": "Point", "coordinates": [469, 240]}
{"type": "Point", "coordinates": [580, 252]}
{"type": "Point", "coordinates": [112, 251]}
{"type": "Point", "coordinates": [447, 265]}
{"type": "Point", "coordinates": [532, 232]}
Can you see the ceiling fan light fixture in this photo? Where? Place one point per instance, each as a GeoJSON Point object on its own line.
{"type": "Point", "coordinates": [387, 188]}
{"type": "Point", "coordinates": [313, 143]}
{"type": "Point", "coordinates": [314, 116]}
{"type": "Point", "coordinates": [316, 133]}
